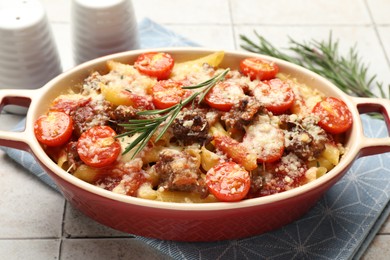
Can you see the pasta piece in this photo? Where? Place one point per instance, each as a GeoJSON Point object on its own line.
{"type": "Point", "coordinates": [151, 155]}
{"type": "Point", "coordinates": [208, 159]}
{"type": "Point", "coordinates": [146, 191]}
{"type": "Point", "coordinates": [314, 173]}
{"type": "Point", "coordinates": [213, 60]}
{"type": "Point", "coordinates": [218, 130]}
{"type": "Point", "coordinates": [115, 95]}
{"type": "Point", "coordinates": [195, 68]}
{"type": "Point", "coordinates": [152, 176]}
{"type": "Point", "coordinates": [182, 197]}
{"type": "Point", "coordinates": [86, 173]}
{"type": "Point", "coordinates": [62, 160]}
{"type": "Point", "coordinates": [322, 162]}
{"type": "Point", "coordinates": [123, 69]}
{"type": "Point", "coordinates": [331, 153]}
{"type": "Point", "coordinates": [165, 139]}
{"type": "Point", "coordinates": [195, 152]}
{"type": "Point", "coordinates": [321, 171]}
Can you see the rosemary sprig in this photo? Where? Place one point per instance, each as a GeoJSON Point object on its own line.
{"type": "Point", "coordinates": [165, 117]}
{"type": "Point", "coordinates": [348, 72]}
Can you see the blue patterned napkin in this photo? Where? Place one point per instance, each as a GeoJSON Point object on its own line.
{"type": "Point", "coordinates": [340, 226]}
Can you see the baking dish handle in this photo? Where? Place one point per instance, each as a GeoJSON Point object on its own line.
{"type": "Point", "coordinates": [19, 97]}
{"type": "Point", "coordinates": [371, 146]}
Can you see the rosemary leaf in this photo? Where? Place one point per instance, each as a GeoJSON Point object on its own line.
{"type": "Point", "coordinates": [172, 117]}
{"type": "Point", "coordinates": [212, 83]}
{"type": "Point", "coordinates": [149, 126]}
{"type": "Point", "coordinates": [138, 141]}
{"type": "Point", "coordinates": [348, 72]}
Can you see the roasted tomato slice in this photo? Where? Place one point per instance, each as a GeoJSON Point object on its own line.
{"type": "Point", "coordinates": [223, 95]}
{"type": "Point", "coordinates": [68, 104]}
{"type": "Point", "coordinates": [97, 147]}
{"type": "Point", "coordinates": [236, 151]}
{"type": "Point", "coordinates": [335, 117]}
{"type": "Point", "coordinates": [228, 181]}
{"type": "Point", "coordinates": [286, 174]}
{"type": "Point", "coordinates": [167, 93]}
{"type": "Point", "coordinates": [129, 176]}
{"type": "Point", "coordinates": [266, 140]}
{"type": "Point", "coordinates": [257, 68]}
{"type": "Point", "coordinates": [155, 64]}
{"type": "Point", "coordinates": [276, 95]}
{"type": "Point", "coordinates": [53, 129]}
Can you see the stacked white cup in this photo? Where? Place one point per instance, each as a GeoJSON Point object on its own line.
{"type": "Point", "coordinates": [28, 54]}
{"type": "Point", "coordinates": [102, 27]}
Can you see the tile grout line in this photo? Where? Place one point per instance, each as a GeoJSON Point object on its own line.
{"type": "Point", "coordinates": [375, 26]}
{"type": "Point", "coordinates": [62, 237]}
{"type": "Point", "coordinates": [233, 30]}
{"type": "Point", "coordinates": [231, 23]}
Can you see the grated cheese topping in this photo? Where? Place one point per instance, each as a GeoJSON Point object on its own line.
{"type": "Point", "coordinates": [287, 149]}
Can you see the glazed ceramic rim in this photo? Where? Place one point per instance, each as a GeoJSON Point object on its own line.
{"type": "Point", "coordinates": [348, 158]}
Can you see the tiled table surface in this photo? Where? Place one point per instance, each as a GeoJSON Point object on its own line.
{"type": "Point", "coordinates": [36, 222]}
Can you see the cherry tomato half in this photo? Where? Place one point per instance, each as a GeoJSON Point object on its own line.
{"type": "Point", "coordinates": [223, 95]}
{"type": "Point", "coordinates": [155, 64]}
{"type": "Point", "coordinates": [97, 147]}
{"type": "Point", "coordinates": [266, 140]}
{"type": "Point", "coordinates": [67, 104]}
{"type": "Point", "coordinates": [228, 181]}
{"type": "Point", "coordinates": [236, 151]}
{"type": "Point", "coordinates": [276, 95]}
{"type": "Point", "coordinates": [167, 93]}
{"type": "Point", "coordinates": [335, 117]}
{"type": "Point", "coordinates": [53, 129]}
{"type": "Point", "coordinates": [257, 68]}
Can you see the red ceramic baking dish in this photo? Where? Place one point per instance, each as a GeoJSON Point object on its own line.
{"type": "Point", "coordinates": [190, 221]}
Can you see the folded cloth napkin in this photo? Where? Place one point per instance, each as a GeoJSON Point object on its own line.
{"type": "Point", "coordinates": [340, 226]}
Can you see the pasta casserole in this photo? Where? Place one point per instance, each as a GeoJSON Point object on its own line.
{"type": "Point", "coordinates": [194, 131]}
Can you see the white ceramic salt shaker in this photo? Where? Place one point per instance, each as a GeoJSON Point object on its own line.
{"type": "Point", "coordinates": [102, 27]}
{"type": "Point", "coordinates": [28, 53]}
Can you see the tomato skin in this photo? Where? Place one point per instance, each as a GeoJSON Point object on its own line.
{"type": "Point", "coordinates": [114, 174]}
{"type": "Point", "coordinates": [67, 105]}
{"type": "Point", "coordinates": [167, 93]}
{"type": "Point", "coordinates": [266, 140]}
{"type": "Point", "coordinates": [97, 147]}
{"type": "Point", "coordinates": [335, 117]}
{"type": "Point", "coordinates": [53, 129]}
{"type": "Point", "coordinates": [236, 151]}
{"type": "Point", "coordinates": [155, 64]}
{"type": "Point", "coordinates": [223, 95]}
{"type": "Point", "coordinates": [256, 68]}
{"type": "Point", "coordinates": [228, 181]}
{"type": "Point", "coordinates": [276, 95]}
{"type": "Point", "coordinates": [138, 101]}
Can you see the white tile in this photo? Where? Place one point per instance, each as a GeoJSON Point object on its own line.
{"type": "Point", "coordinates": [206, 35]}
{"type": "Point", "coordinates": [386, 227]}
{"type": "Point", "coordinates": [384, 34]}
{"type": "Point", "coordinates": [92, 249]}
{"type": "Point", "coordinates": [36, 249]}
{"type": "Point", "coordinates": [364, 38]}
{"type": "Point", "coordinates": [29, 208]}
{"type": "Point", "coordinates": [380, 11]}
{"type": "Point", "coordinates": [77, 224]}
{"type": "Point", "coordinates": [379, 249]}
{"type": "Point", "coordinates": [183, 11]}
{"type": "Point", "coordinates": [306, 12]}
